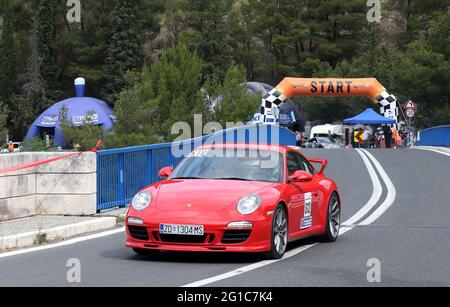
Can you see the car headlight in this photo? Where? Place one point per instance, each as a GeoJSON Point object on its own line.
{"type": "Point", "coordinates": [141, 200]}
{"type": "Point", "coordinates": [249, 204]}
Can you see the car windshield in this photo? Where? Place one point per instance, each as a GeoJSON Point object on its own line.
{"type": "Point", "coordinates": [232, 164]}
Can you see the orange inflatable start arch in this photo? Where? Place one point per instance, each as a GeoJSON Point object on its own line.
{"type": "Point", "coordinates": [333, 87]}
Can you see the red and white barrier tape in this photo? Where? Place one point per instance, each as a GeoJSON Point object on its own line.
{"type": "Point", "coordinates": [38, 163]}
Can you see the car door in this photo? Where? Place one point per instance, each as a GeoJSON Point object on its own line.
{"type": "Point", "coordinates": [301, 196]}
{"type": "Point", "coordinates": [317, 194]}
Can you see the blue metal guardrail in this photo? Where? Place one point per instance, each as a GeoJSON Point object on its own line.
{"type": "Point", "coordinates": [436, 136]}
{"type": "Point", "coordinates": [121, 173]}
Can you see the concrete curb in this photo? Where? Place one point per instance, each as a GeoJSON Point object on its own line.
{"type": "Point", "coordinates": [56, 234]}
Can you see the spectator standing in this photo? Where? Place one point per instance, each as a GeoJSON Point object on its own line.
{"type": "Point", "coordinates": [388, 136]}
{"type": "Point", "coordinates": [380, 138]}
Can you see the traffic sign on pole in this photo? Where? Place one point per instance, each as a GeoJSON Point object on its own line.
{"type": "Point", "coordinates": [410, 105]}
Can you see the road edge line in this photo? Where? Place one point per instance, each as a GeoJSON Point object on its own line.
{"type": "Point", "coordinates": [63, 243]}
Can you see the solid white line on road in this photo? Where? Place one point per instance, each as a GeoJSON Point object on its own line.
{"type": "Point", "coordinates": [376, 195]}
{"type": "Point", "coordinates": [436, 150]}
{"type": "Point", "coordinates": [390, 197]}
{"type": "Point", "coordinates": [301, 249]}
{"type": "Point", "coordinates": [247, 268]}
{"type": "Point", "coordinates": [63, 243]}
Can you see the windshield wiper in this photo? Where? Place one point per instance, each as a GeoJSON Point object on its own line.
{"type": "Point", "coordinates": [187, 178]}
{"type": "Point", "coordinates": [232, 178]}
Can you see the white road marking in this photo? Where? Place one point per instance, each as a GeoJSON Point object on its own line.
{"type": "Point", "coordinates": [390, 197]}
{"type": "Point", "coordinates": [63, 243]}
{"type": "Point", "coordinates": [376, 195]}
{"type": "Point", "coordinates": [247, 268]}
{"type": "Point", "coordinates": [385, 206]}
{"type": "Point", "coordinates": [433, 150]}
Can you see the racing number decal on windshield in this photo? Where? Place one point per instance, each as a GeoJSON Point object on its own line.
{"type": "Point", "coordinates": [199, 153]}
{"type": "Point", "coordinates": [306, 221]}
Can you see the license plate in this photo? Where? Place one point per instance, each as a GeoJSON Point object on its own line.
{"type": "Point", "coordinates": [187, 230]}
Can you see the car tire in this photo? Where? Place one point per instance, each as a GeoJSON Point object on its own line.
{"type": "Point", "coordinates": [145, 252]}
{"type": "Point", "coordinates": [279, 234]}
{"type": "Point", "coordinates": [333, 222]}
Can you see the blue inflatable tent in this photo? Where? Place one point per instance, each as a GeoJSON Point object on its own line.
{"type": "Point", "coordinates": [78, 108]}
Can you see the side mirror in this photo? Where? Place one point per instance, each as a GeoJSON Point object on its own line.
{"type": "Point", "coordinates": [301, 176]}
{"type": "Point", "coordinates": [165, 172]}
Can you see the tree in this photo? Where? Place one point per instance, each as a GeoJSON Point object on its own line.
{"type": "Point", "coordinates": [209, 35]}
{"type": "Point", "coordinates": [126, 49]}
{"type": "Point", "coordinates": [417, 15]}
{"type": "Point", "coordinates": [31, 99]}
{"type": "Point", "coordinates": [235, 104]}
{"type": "Point", "coordinates": [83, 47]}
{"type": "Point", "coordinates": [174, 85]}
{"type": "Point", "coordinates": [137, 120]}
{"type": "Point", "coordinates": [245, 49]}
{"type": "Point", "coordinates": [83, 137]}
{"type": "Point", "coordinates": [8, 58]}
{"type": "Point", "coordinates": [46, 46]}
{"type": "Point", "coordinates": [166, 92]}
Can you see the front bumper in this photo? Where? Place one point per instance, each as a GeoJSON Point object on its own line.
{"type": "Point", "coordinates": [217, 238]}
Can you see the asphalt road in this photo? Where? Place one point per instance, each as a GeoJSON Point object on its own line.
{"type": "Point", "coordinates": [410, 239]}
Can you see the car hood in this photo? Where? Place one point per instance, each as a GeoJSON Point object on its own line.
{"type": "Point", "coordinates": [201, 195]}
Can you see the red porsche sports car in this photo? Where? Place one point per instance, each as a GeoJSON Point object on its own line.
{"type": "Point", "coordinates": [235, 198]}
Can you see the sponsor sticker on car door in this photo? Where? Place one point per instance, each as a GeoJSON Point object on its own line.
{"type": "Point", "coordinates": [306, 221]}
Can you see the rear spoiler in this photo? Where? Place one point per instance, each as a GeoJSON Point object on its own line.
{"type": "Point", "coordinates": [320, 161]}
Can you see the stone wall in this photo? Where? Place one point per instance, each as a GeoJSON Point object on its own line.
{"type": "Point", "coordinates": [64, 187]}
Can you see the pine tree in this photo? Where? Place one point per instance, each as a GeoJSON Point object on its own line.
{"type": "Point", "coordinates": [174, 84]}
{"type": "Point", "coordinates": [209, 36]}
{"type": "Point", "coordinates": [46, 46]}
{"type": "Point", "coordinates": [126, 49]}
{"type": "Point", "coordinates": [31, 99]}
{"type": "Point", "coordinates": [8, 57]}
{"type": "Point", "coordinates": [166, 92]}
{"type": "Point", "coordinates": [235, 105]}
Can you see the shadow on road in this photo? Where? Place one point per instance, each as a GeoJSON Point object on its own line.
{"type": "Point", "coordinates": [195, 257]}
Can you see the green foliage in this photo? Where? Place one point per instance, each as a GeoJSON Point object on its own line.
{"type": "Point", "coordinates": [126, 48]}
{"type": "Point", "coordinates": [31, 98]}
{"type": "Point", "coordinates": [34, 145]}
{"type": "Point", "coordinates": [8, 58]}
{"type": "Point", "coordinates": [209, 35]}
{"type": "Point", "coordinates": [170, 91]}
{"type": "Point", "coordinates": [46, 30]}
{"type": "Point", "coordinates": [137, 121]}
{"type": "Point", "coordinates": [236, 104]}
{"type": "Point", "coordinates": [416, 16]}
{"type": "Point", "coordinates": [172, 86]}
{"type": "Point", "coordinates": [83, 137]}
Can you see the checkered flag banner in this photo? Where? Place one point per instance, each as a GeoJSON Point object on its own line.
{"type": "Point", "coordinates": [270, 112]}
{"type": "Point", "coordinates": [388, 105]}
